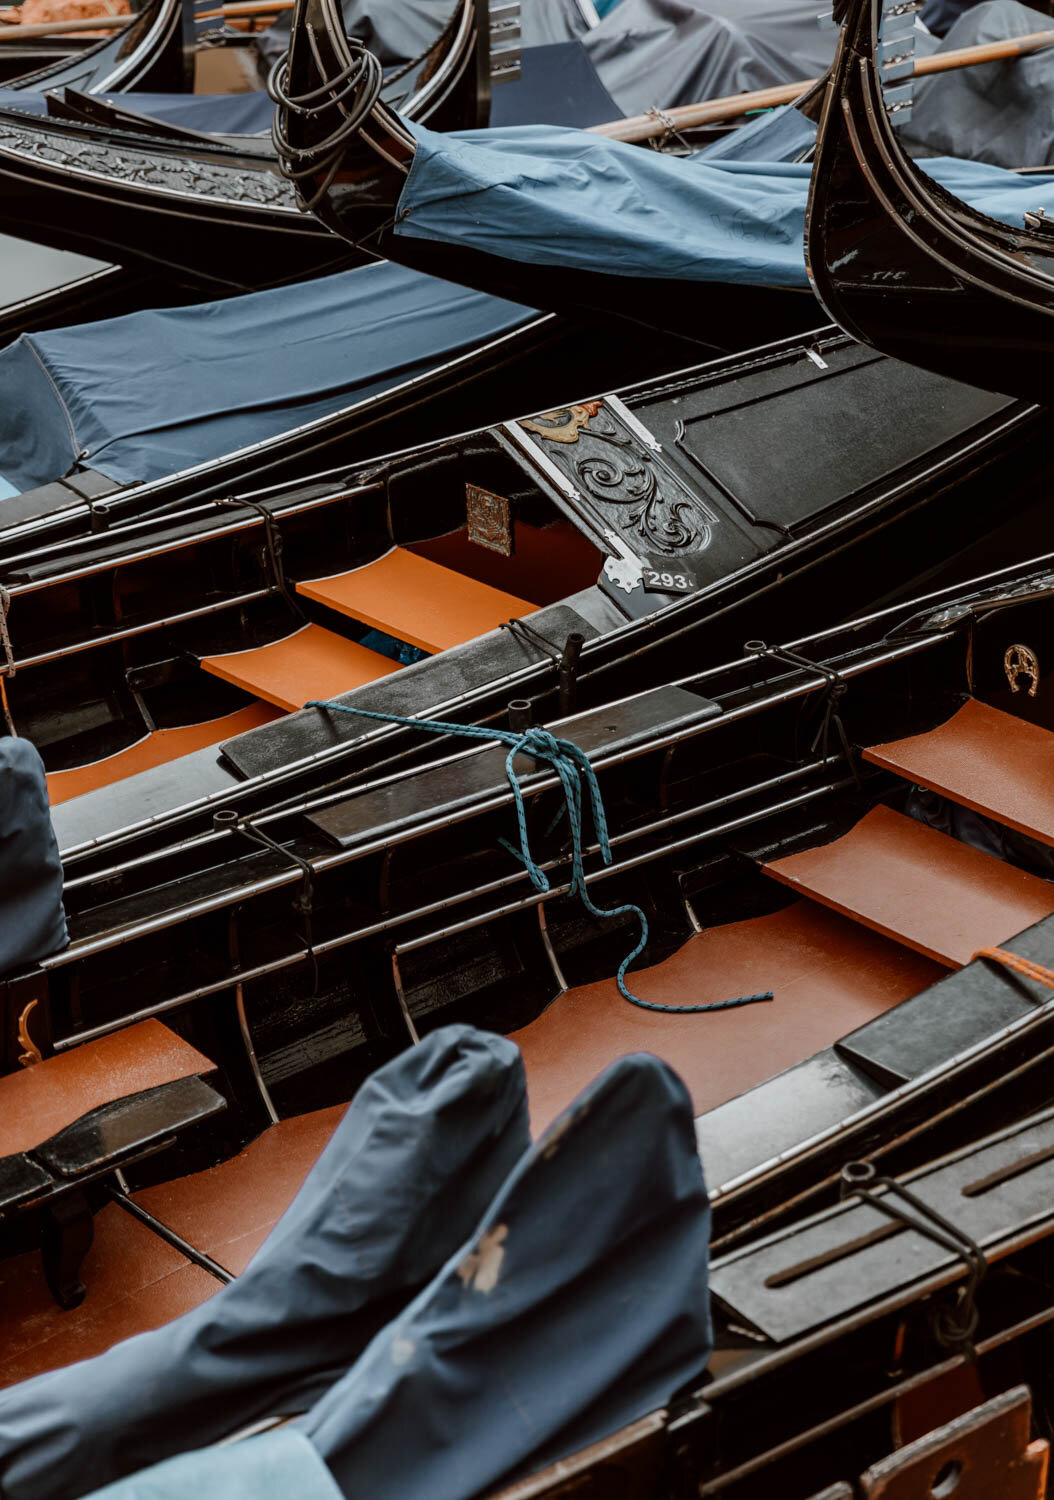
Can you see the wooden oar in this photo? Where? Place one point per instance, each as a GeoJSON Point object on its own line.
{"type": "Point", "coordinates": [691, 116]}
{"type": "Point", "coordinates": [244, 8]}
{"type": "Point", "coordinates": [14, 32]}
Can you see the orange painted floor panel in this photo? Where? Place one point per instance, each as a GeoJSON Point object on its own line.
{"type": "Point", "coordinates": [918, 886]}
{"type": "Point", "coordinates": [135, 1281]}
{"type": "Point", "coordinates": [416, 600]}
{"type": "Point", "coordinates": [39, 1101]}
{"type": "Point", "coordinates": [156, 749]}
{"type": "Point", "coordinates": [313, 663]}
{"type": "Point", "coordinates": [984, 759]}
{"type": "Point", "coordinates": [828, 975]}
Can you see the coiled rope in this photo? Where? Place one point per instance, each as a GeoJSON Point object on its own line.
{"type": "Point", "coordinates": [574, 770]}
{"type": "Point", "coordinates": [352, 93]}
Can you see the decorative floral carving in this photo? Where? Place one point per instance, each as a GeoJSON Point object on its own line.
{"type": "Point", "coordinates": [615, 469]}
{"type": "Point", "coordinates": [184, 176]}
{"type": "Point", "coordinates": [564, 425]}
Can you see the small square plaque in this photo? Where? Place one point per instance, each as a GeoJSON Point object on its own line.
{"type": "Point", "coordinates": [489, 519]}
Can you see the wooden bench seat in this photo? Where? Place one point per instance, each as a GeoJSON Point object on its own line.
{"type": "Point", "coordinates": [155, 749]}
{"type": "Point", "coordinates": [984, 759]}
{"type": "Point", "coordinates": [137, 1280]}
{"type": "Point", "coordinates": [918, 886]}
{"type": "Point", "coordinates": [416, 600]}
{"type": "Point", "coordinates": [39, 1101]}
{"type": "Point", "coordinates": [81, 1115]}
{"type": "Point", "coordinates": [312, 663]}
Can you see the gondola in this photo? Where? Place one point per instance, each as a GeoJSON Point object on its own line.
{"type": "Point", "coordinates": [771, 817]}
{"type": "Point", "coordinates": [638, 511]}
{"type": "Point", "coordinates": [593, 225]}
{"type": "Point", "coordinates": [901, 263]}
{"type": "Point", "coordinates": [154, 51]}
{"type": "Point", "coordinates": [107, 180]}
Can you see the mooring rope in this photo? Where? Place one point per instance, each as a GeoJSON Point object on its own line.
{"type": "Point", "coordinates": [8, 669]}
{"type": "Point", "coordinates": [573, 767]}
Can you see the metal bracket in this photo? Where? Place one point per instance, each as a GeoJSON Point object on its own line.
{"type": "Point", "coordinates": [898, 102]}
{"type": "Point", "coordinates": [896, 58]}
{"type": "Point", "coordinates": [505, 42]}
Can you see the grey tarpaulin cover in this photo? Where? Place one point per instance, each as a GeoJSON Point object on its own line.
{"type": "Point", "coordinates": [664, 52]}
{"type": "Point", "coordinates": [34, 923]}
{"type": "Point", "coordinates": [396, 33]}
{"type": "Point", "coordinates": [418, 1156]}
{"type": "Point", "coordinates": [579, 1305]}
{"type": "Point", "coordinates": [1000, 112]}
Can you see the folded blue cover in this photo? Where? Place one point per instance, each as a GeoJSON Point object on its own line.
{"type": "Point", "coordinates": [567, 198]}
{"type": "Point", "coordinates": [34, 923]}
{"type": "Point", "coordinates": [424, 1146]}
{"type": "Point", "coordinates": [579, 1305]}
{"type": "Point", "coordinates": [150, 393]}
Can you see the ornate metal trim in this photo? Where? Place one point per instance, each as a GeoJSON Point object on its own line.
{"type": "Point", "coordinates": [168, 176]}
{"type": "Point", "coordinates": [625, 476]}
{"type": "Point", "coordinates": [489, 519]}
{"type": "Point", "coordinates": [32, 1054]}
{"type": "Point", "coordinates": [1020, 661]}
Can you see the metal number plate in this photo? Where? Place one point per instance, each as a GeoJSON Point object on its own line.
{"type": "Point", "coordinates": [666, 581]}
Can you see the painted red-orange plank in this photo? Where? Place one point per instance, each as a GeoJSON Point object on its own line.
{"type": "Point", "coordinates": [155, 749]}
{"type": "Point", "coordinates": [924, 889]}
{"type": "Point", "coordinates": [828, 975]}
{"type": "Point", "coordinates": [36, 1102]}
{"type": "Point", "coordinates": [416, 600]}
{"type": "Point", "coordinates": [312, 663]}
{"type": "Point", "coordinates": [985, 759]}
{"type": "Point", "coordinates": [135, 1281]}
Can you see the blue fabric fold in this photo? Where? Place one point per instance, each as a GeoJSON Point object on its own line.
{"type": "Point", "coordinates": [579, 1305]}
{"type": "Point", "coordinates": [144, 395]}
{"type": "Point", "coordinates": [280, 1465]}
{"type": "Point", "coordinates": [424, 1146]}
{"type": "Point", "coordinates": [34, 923]}
{"type": "Point", "coordinates": [566, 198]}
{"type": "Point", "coordinates": [248, 113]}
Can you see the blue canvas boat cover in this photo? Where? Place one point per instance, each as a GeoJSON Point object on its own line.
{"type": "Point", "coordinates": [579, 1305]}
{"type": "Point", "coordinates": [558, 85]}
{"type": "Point", "coordinates": [425, 1145]}
{"type": "Point", "coordinates": [249, 113]}
{"type": "Point", "coordinates": [780, 135]}
{"type": "Point", "coordinates": [34, 923]}
{"type": "Point", "coordinates": [147, 394]}
{"type": "Point", "coordinates": [566, 198]}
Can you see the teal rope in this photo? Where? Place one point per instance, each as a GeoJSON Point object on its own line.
{"type": "Point", "coordinates": [572, 766]}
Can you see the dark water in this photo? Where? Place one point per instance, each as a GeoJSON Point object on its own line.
{"type": "Point", "coordinates": [28, 269]}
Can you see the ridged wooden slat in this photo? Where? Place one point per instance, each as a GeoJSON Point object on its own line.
{"type": "Point", "coordinates": [920, 887]}
{"type": "Point", "coordinates": [416, 600]}
{"type": "Point", "coordinates": [986, 760]}
{"type": "Point", "coordinates": [312, 663]}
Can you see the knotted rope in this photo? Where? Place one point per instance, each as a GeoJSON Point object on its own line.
{"type": "Point", "coordinates": [574, 770]}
